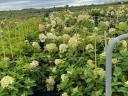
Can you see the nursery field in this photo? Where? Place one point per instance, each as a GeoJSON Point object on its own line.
{"type": "Point", "coordinates": [63, 54]}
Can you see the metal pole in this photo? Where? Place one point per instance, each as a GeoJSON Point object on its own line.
{"type": "Point", "coordinates": [108, 86]}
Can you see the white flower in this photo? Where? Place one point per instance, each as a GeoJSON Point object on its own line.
{"type": "Point", "coordinates": [51, 36]}
{"type": "Point", "coordinates": [96, 29]}
{"type": "Point", "coordinates": [42, 37]}
{"type": "Point", "coordinates": [112, 30]}
{"type": "Point", "coordinates": [114, 61]}
{"type": "Point", "coordinates": [90, 62]}
{"type": "Point", "coordinates": [52, 30]}
{"type": "Point", "coordinates": [107, 23]}
{"type": "Point", "coordinates": [63, 48]}
{"type": "Point", "coordinates": [70, 72]}
{"type": "Point", "coordinates": [82, 17]}
{"type": "Point", "coordinates": [51, 47]}
{"type": "Point", "coordinates": [59, 38]}
{"type": "Point", "coordinates": [6, 81]}
{"type": "Point", "coordinates": [74, 41]}
{"type": "Point", "coordinates": [53, 23]}
{"type": "Point", "coordinates": [50, 83]}
{"type": "Point", "coordinates": [42, 27]}
{"type": "Point", "coordinates": [89, 46]}
{"type": "Point", "coordinates": [68, 29]}
{"type": "Point", "coordinates": [112, 13]}
{"type": "Point", "coordinates": [34, 64]}
{"type": "Point", "coordinates": [100, 72]}
{"type": "Point", "coordinates": [65, 37]}
{"type": "Point", "coordinates": [36, 45]}
{"type": "Point", "coordinates": [26, 41]}
{"type": "Point", "coordinates": [50, 80]}
{"type": "Point", "coordinates": [59, 21]}
{"type": "Point", "coordinates": [64, 94]}
{"type": "Point", "coordinates": [58, 61]}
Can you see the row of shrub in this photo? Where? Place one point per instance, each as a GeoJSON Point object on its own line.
{"type": "Point", "coordinates": [65, 56]}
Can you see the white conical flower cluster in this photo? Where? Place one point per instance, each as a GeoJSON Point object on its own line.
{"type": "Point", "coordinates": [36, 45]}
{"type": "Point", "coordinates": [50, 83]}
{"type": "Point", "coordinates": [63, 48]}
{"type": "Point", "coordinates": [89, 46]}
{"type": "Point", "coordinates": [74, 41]}
{"type": "Point", "coordinates": [59, 61]}
{"type": "Point", "coordinates": [42, 37]}
{"type": "Point", "coordinates": [6, 81]}
{"type": "Point", "coordinates": [51, 47]}
{"type": "Point", "coordinates": [51, 36]}
{"type": "Point", "coordinates": [34, 64]}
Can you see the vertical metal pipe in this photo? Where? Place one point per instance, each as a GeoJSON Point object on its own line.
{"type": "Point", "coordinates": [108, 87]}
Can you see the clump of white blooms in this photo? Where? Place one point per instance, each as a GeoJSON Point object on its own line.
{"type": "Point", "coordinates": [50, 83]}
{"type": "Point", "coordinates": [65, 37]}
{"type": "Point", "coordinates": [51, 36]}
{"type": "Point", "coordinates": [58, 61]}
{"type": "Point", "coordinates": [34, 64]}
{"type": "Point", "coordinates": [26, 42]}
{"type": "Point", "coordinates": [59, 21]}
{"type": "Point", "coordinates": [42, 37]}
{"type": "Point", "coordinates": [114, 61]}
{"type": "Point", "coordinates": [100, 72]}
{"type": "Point", "coordinates": [48, 26]}
{"type": "Point", "coordinates": [74, 41]}
{"type": "Point", "coordinates": [63, 48]}
{"type": "Point", "coordinates": [68, 29]}
{"type": "Point", "coordinates": [107, 23]}
{"type": "Point", "coordinates": [112, 13]}
{"type": "Point", "coordinates": [90, 64]}
{"type": "Point", "coordinates": [111, 8]}
{"type": "Point", "coordinates": [59, 38]}
{"type": "Point", "coordinates": [42, 27]}
{"type": "Point", "coordinates": [6, 81]}
{"type": "Point", "coordinates": [89, 46]}
{"type": "Point", "coordinates": [53, 23]}
{"type": "Point", "coordinates": [36, 45]}
{"type": "Point", "coordinates": [82, 17]}
{"type": "Point", "coordinates": [96, 29]}
{"type": "Point", "coordinates": [52, 30]}
{"type": "Point", "coordinates": [51, 47]}
{"type": "Point", "coordinates": [112, 30]}
{"type": "Point", "coordinates": [64, 94]}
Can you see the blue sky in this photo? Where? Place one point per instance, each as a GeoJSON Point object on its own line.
{"type": "Point", "coordinates": [20, 4]}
